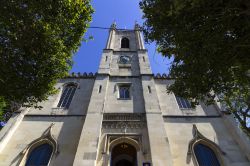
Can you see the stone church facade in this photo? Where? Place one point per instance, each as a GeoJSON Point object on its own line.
{"type": "Point", "coordinates": [122, 116]}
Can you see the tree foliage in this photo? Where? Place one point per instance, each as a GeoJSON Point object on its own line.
{"type": "Point", "coordinates": [2, 109]}
{"type": "Point", "coordinates": [238, 103]}
{"type": "Point", "coordinates": [209, 41]}
{"type": "Point", "coordinates": [37, 40]}
{"type": "Point", "coordinates": [3, 112]}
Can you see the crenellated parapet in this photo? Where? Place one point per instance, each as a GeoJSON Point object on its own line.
{"type": "Point", "coordinates": [162, 76]}
{"type": "Point", "coordinates": [81, 75]}
{"type": "Point", "coordinates": [93, 75]}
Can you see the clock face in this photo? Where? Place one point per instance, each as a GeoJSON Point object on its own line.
{"type": "Point", "coordinates": [124, 59]}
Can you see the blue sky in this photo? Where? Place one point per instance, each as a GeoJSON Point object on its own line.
{"type": "Point", "coordinates": [125, 13]}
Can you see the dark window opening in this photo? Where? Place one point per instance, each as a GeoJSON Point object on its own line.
{"type": "Point", "coordinates": [149, 89]}
{"type": "Point", "coordinates": [100, 89]}
{"type": "Point", "coordinates": [125, 43]}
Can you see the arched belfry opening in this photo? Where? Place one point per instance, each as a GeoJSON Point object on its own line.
{"type": "Point", "coordinates": [124, 154]}
{"type": "Point", "coordinates": [125, 42]}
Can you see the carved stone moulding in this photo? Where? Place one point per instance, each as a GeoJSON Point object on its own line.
{"type": "Point", "coordinates": [123, 125]}
{"type": "Point", "coordinates": [124, 117]}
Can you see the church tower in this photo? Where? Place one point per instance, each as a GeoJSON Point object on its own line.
{"type": "Point", "coordinates": [124, 113]}
{"type": "Point", "coordinates": [122, 116]}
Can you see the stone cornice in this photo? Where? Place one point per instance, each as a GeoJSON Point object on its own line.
{"type": "Point", "coordinates": [124, 117]}
{"type": "Point", "coordinates": [192, 116]}
{"type": "Point", "coordinates": [93, 75]}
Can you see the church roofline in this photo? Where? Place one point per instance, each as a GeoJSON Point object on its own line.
{"type": "Point", "coordinates": [109, 49]}
{"type": "Point", "coordinates": [81, 75]}
{"type": "Point", "coordinates": [93, 75]}
{"type": "Point", "coordinates": [137, 27]}
{"type": "Point", "coordinates": [162, 76]}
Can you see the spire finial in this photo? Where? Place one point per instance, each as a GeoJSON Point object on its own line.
{"type": "Point", "coordinates": [113, 25]}
{"type": "Point", "coordinates": [137, 26]}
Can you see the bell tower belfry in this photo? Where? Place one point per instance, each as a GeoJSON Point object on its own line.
{"type": "Point", "coordinates": [125, 54]}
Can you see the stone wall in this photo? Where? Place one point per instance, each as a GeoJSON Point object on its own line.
{"type": "Point", "coordinates": [66, 131]}
{"type": "Point", "coordinates": [180, 133]}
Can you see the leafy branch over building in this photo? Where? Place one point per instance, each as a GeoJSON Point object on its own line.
{"type": "Point", "coordinates": [37, 41]}
{"type": "Point", "coordinates": [210, 43]}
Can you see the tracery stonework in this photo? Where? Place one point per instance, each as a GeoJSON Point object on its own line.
{"type": "Point", "coordinates": [121, 121]}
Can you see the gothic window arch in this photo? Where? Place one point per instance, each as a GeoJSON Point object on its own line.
{"type": "Point", "coordinates": [203, 151]}
{"type": "Point", "coordinates": [183, 103]}
{"type": "Point", "coordinates": [40, 155]}
{"type": "Point", "coordinates": [67, 95]}
{"type": "Point", "coordinates": [125, 42]}
{"type": "Point", "coordinates": [40, 151]}
{"type": "Point", "coordinates": [205, 156]}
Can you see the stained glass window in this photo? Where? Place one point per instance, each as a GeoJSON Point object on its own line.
{"type": "Point", "coordinates": [40, 156]}
{"type": "Point", "coordinates": [205, 156]}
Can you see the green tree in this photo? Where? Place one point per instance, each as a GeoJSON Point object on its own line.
{"type": "Point", "coordinates": [209, 41]}
{"type": "Point", "coordinates": [3, 111]}
{"type": "Point", "coordinates": [238, 103]}
{"type": "Point", "coordinates": [37, 40]}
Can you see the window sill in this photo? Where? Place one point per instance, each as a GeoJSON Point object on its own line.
{"type": "Point", "coordinates": [59, 109]}
{"type": "Point", "coordinates": [124, 65]}
{"type": "Point", "coordinates": [123, 98]}
{"type": "Point", "coordinates": [187, 109]}
{"type": "Point", "coordinates": [124, 49]}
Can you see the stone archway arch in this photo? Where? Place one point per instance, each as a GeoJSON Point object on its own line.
{"type": "Point", "coordinates": [127, 140]}
{"type": "Point", "coordinates": [124, 151]}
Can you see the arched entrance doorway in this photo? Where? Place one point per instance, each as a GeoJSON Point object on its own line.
{"type": "Point", "coordinates": [124, 154]}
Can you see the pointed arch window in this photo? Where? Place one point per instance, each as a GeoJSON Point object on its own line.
{"type": "Point", "coordinates": [203, 151]}
{"type": "Point", "coordinates": [183, 103]}
{"type": "Point", "coordinates": [40, 155]}
{"type": "Point", "coordinates": [205, 156]}
{"type": "Point", "coordinates": [67, 95]}
{"type": "Point", "coordinates": [125, 43]}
